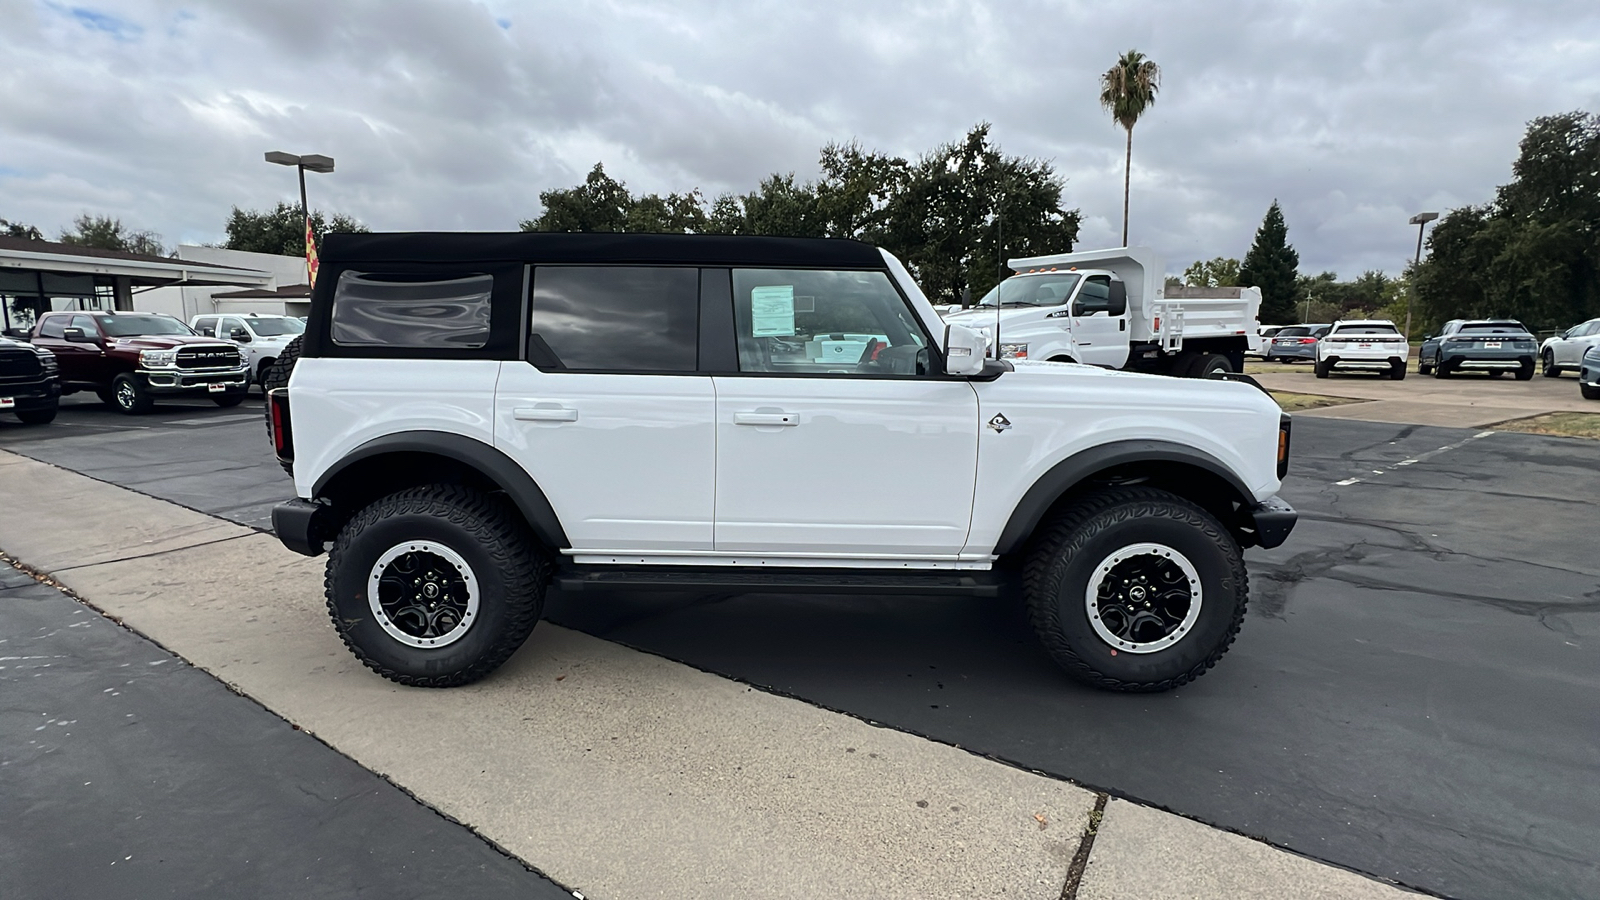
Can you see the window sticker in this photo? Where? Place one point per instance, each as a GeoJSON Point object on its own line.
{"type": "Point", "coordinates": [772, 311]}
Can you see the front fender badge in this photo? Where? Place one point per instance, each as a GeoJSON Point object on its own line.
{"type": "Point", "coordinates": [999, 423]}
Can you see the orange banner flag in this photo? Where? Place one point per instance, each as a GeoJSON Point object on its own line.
{"type": "Point", "coordinates": [311, 255]}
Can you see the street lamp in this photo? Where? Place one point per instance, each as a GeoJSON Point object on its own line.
{"type": "Point", "coordinates": [316, 162]}
{"type": "Point", "coordinates": [1420, 220]}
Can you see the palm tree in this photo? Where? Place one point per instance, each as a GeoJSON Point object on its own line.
{"type": "Point", "coordinates": [1127, 89]}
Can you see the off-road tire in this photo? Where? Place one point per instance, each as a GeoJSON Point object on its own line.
{"type": "Point", "coordinates": [1065, 552]}
{"type": "Point", "coordinates": [1526, 372]}
{"type": "Point", "coordinates": [1322, 369]}
{"type": "Point", "coordinates": [129, 396]}
{"type": "Point", "coordinates": [277, 376]}
{"type": "Point", "coordinates": [229, 399]}
{"type": "Point", "coordinates": [1547, 361]}
{"type": "Point", "coordinates": [38, 416]}
{"type": "Point", "coordinates": [1397, 371]}
{"type": "Point", "coordinates": [504, 556]}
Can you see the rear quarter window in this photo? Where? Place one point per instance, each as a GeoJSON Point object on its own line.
{"type": "Point", "coordinates": [375, 309]}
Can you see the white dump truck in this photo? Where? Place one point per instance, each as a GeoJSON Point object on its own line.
{"type": "Point", "coordinates": [1111, 308]}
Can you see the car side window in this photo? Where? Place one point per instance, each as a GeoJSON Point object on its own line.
{"type": "Point", "coordinates": [206, 325]}
{"type": "Point", "coordinates": [229, 325]}
{"type": "Point", "coordinates": [615, 318]}
{"type": "Point", "coordinates": [376, 309]}
{"type": "Point", "coordinates": [808, 322]}
{"type": "Point", "coordinates": [1094, 297]}
{"type": "Point", "coordinates": [53, 327]}
{"type": "Point", "coordinates": [87, 324]}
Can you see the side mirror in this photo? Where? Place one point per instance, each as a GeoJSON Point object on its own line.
{"type": "Point", "coordinates": [963, 350]}
{"type": "Point", "coordinates": [240, 335]}
{"type": "Point", "coordinates": [76, 336]}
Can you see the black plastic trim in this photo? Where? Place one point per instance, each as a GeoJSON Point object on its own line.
{"type": "Point", "coordinates": [482, 458]}
{"type": "Point", "coordinates": [1068, 473]}
{"type": "Point", "coordinates": [297, 523]}
{"type": "Point", "coordinates": [767, 580]}
{"type": "Point", "coordinates": [1273, 520]}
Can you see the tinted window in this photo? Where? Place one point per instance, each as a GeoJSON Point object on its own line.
{"type": "Point", "coordinates": [274, 326]}
{"type": "Point", "coordinates": [53, 327]}
{"type": "Point", "coordinates": [839, 323]}
{"type": "Point", "coordinates": [87, 324]}
{"type": "Point", "coordinates": [206, 325]}
{"type": "Point", "coordinates": [1368, 329]}
{"type": "Point", "coordinates": [618, 318]}
{"type": "Point", "coordinates": [1493, 328]}
{"type": "Point", "coordinates": [134, 325]}
{"type": "Point", "coordinates": [373, 309]}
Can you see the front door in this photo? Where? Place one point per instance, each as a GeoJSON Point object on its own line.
{"type": "Point", "coordinates": [834, 439]}
{"type": "Point", "coordinates": [1099, 329]}
{"type": "Point", "coordinates": [608, 414]}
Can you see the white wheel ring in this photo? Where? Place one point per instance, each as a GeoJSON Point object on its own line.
{"type": "Point", "coordinates": [1091, 597]}
{"type": "Point", "coordinates": [455, 559]}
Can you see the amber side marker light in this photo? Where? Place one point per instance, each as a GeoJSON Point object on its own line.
{"type": "Point", "coordinates": [1283, 445]}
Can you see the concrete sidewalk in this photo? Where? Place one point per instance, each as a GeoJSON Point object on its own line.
{"type": "Point", "coordinates": [1464, 401]}
{"type": "Point", "coordinates": [617, 773]}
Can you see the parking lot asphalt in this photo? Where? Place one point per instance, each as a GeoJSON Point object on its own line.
{"type": "Point", "coordinates": [1413, 695]}
{"type": "Point", "coordinates": [125, 772]}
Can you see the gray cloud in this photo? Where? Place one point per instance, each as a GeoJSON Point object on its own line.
{"type": "Point", "coordinates": [450, 114]}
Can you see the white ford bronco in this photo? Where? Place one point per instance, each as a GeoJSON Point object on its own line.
{"type": "Point", "coordinates": [473, 418]}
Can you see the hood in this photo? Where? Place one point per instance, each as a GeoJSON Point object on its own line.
{"type": "Point", "coordinates": [166, 342]}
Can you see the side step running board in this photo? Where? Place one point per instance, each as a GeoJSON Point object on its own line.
{"type": "Point", "coordinates": [785, 581]}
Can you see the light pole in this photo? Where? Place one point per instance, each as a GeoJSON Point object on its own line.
{"type": "Point", "coordinates": [1420, 220]}
{"type": "Point", "coordinates": [315, 162]}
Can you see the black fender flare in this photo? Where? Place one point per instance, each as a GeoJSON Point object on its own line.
{"type": "Point", "coordinates": [1067, 474]}
{"type": "Point", "coordinates": [488, 461]}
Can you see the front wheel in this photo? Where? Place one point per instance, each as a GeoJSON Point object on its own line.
{"type": "Point", "coordinates": [1136, 589]}
{"type": "Point", "coordinates": [42, 416]}
{"type": "Point", "coordinates": [1589, 393]}
{"type": "Point", "coordinates": [130, 396]}
{"type": "Point", "coordinates": [228, 399]}
{"type": "Point", "coordinates": [435, 586]}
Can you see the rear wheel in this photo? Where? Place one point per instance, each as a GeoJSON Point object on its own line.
{"type": "Point", "coordinates": [1135, 589]}
{"type": "Point", "coordinates": [1208, 365]}
{"type": "Point", "coordinates": [435, 586]}
{"type": "Point", "coordinates": [1322, 369]}
{"type": "Point", "coordinates": [1547, 361]}
{"type": "Point", "coordinates": [1397, 371]}
{"type": "Point", "coordinates": [1441, 369]}
{"type": "Point", "coordinates": [1526, 372]}
{"type": "Point", "coordinates": [1496, 373]}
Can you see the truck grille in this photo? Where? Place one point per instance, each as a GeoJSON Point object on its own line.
{"type": "Point", "coordinates": [208, 358]}
{"type": "Point", "coordinates": [18, 364]}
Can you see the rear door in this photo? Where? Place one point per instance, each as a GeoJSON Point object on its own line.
{"type": "Point", "coordinates": [609, 412]}
{"type": "Point", "coordinates": [835, 438]}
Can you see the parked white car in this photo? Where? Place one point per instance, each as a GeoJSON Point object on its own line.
{"type": "Point", "coordinates": [1565, 351]}
{"type": "Point", "coordinates": [1263, 340]}
{"type": "Point", "coordinates": [1363, 345]}
{"type": "Point", "coordinates": [263, 337]}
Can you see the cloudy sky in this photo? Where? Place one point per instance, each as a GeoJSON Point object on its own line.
{"type": "Point", "coordinates": [450, 114]}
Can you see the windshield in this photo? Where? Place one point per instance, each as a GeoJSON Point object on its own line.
{"type": "Point", "coordinates": [1033, 290]}
{"type": "Point", "coordinates": [1493, 328]}
{"type": "Point", "coordinates": [1367, 329]}
{"type": "Point", "coordinates": [275, 327]}
{"type": "Point", "coordinates": [133, 326]}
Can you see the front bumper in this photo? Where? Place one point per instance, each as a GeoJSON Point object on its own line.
{"type": "Point", "coordinates": [1270, 522]}
{"type": "Point", "coordinates": [178, 381]}
{"type": "Point", "coordinates": [41, 394]}
{"type": "Point", "coordinates": [302, 526]}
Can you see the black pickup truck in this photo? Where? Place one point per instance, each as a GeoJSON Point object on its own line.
{"type": "Point", "coordinates": [30, 385]}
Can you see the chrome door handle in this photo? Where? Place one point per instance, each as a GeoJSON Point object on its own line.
{"type": "Point", "coordinates": [544, 414]}
{"type": "Point", "coordinates": [755, 418]}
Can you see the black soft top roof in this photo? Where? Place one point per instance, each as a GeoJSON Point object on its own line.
{"type": "Point", "coordinates": [549, 247]}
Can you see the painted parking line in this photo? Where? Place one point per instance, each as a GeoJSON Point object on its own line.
{"type": "Point", "coordinates": [213, 420]}
{"type": "Point", "coordinates": [1421, 457]}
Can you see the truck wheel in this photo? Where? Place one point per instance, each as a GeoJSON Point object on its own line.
{"type": "Point", "coordinates": [130, 396]}
{"type": "Point", "coordinates": [1548, 362]}
{"type": "Point", "coordinates": [1322, 369]}
{"type": "Point", "coordinates": [38, 416]}
{"type": "Point", "coordinates": [277, 376]}
{"type": "Point", "coordinates": [228, 399]}
{"type": "Point", "coordinates": [435, 586]}
{"type": "Point", "coordinates": [1209, 365]}
{"type": "Point", "coordinates": [1135, 589]}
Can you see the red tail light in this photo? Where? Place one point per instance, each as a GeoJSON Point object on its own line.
{"type": "Point", "coordinates": [278, 417]}
{"type": "Point", "coordinates": [1308, 340]}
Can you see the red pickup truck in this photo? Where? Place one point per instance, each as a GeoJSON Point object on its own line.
{"type": "Point", "coordinates": [129, 359]}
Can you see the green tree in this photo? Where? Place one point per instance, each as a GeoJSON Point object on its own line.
{"type": "Point", "coordinates": [1219, 272]}
{"type": "Point", "coordinates": [106, 233]}
{"type": "Point", "coordinates": [1533, 253]}
{"type": "Point", "coordinates": [604, 204]}
{"type": "Point", "coordinates": [280, 231]}
{"type": "Point", "coordinates": [1127, 90]}
{"type": "Point", "coordinates": [1271, 266]}
{"type": "Point", "coordinates": [19, 230]}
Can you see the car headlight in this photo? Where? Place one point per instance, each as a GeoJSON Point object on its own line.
{"type": "Point", "coordinates": [244, 356]}
{"type": "Point", "coordinates": [152, 359]}
{"type": "Point", "coordinates": [1013, 351]}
